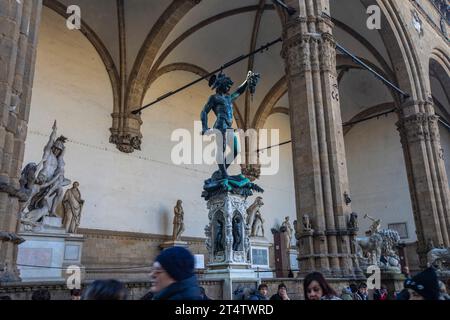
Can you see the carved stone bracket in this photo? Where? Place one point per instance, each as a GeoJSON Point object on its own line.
{"type": "Point", "coordinates": [13, 192]}
{"type": "Point", "coordinates": [11, 237]}
{"type": "Point", "coordinates": [126, 143]}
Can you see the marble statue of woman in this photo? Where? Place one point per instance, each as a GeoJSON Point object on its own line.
{"type": "Point", "coordinates": [178, 221]}
{"type": "Point", "coordinates": [288, 231]}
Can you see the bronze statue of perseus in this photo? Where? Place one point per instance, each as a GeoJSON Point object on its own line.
{"type": "Point", "coordinates": [221, 103]}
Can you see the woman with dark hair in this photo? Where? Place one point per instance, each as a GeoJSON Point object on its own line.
{"type": "Point", "coordinates": [317, 288]}
{"type": "Point", "coordinates": [106, 290]}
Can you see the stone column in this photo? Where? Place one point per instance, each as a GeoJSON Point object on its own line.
{"type": "Point", "coordinates": [19, 22]}
{"type": "Point", "coordinates": [428, 183]}
{"type": "Point", "coordinates": [320, 168]}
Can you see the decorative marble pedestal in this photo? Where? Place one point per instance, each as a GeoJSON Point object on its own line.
{"type": "Point", "coordinates": [259, 256]}
{"type": "Point", "coordinates": [227, 241]}
{"type": "Point", "coordinates": [48, 251]}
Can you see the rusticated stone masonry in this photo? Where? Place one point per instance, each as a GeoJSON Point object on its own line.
{"type": "Point", "coordinates": [19, 22]}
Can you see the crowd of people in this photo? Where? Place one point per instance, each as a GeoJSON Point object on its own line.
{"type": "Point", "coordinates": [173, 278]}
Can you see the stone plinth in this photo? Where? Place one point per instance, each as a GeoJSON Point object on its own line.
{"type": "Point", "coordinates": [259, 256]}
{"type": "Point", "coordinates": [48, 251]}
{"type": "Point", "coordinates": [172, 243]}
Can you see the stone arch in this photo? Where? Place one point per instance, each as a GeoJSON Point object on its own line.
{"type": "Point", "coordinates": [147, 54]}
{"type": "Point", "coordinates": [194, 29]}
{"type": "Point", "coordinates": [378, 109]}
{"type": "Point", "coordinates": [282, 110]}
{"type": "Point", "coordinates": [101, 49]}
{"type": "Point", "coordinates": [427, 179]}
{"type": "Point", "coordinates": [126, 131]}
{"type": "Point", "coordinates": [280, 89]}
{"type": "Point", "coordinates": [400, 47]}
{"type": "Point", "coordinates": [272, 97]}
{"type": "Point", "coordinates": [439, 67]}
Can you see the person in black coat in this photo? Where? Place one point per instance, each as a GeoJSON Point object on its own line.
{"type": "Point", "coordinates": [173, 276]}
{"type": "Point", "coordinates": [281, 293]}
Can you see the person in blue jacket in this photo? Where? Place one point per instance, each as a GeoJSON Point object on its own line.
{"type": "Point", "coordinates": [173, 276]}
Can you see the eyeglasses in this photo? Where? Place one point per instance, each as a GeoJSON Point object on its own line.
{"type": "Point", "coordinates": [156, 271]}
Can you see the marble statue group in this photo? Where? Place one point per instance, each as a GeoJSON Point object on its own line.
{"type": "Point", "coordinates": [43, 184]}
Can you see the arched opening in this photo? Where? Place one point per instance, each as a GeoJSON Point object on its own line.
{"type": "Point", "coordinates": [439, 84]}
{"type": "Point", "coordinates": [72, 86]}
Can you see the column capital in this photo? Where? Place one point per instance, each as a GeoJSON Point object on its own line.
{"type": "Point", "coordinates": [417, 102]}
{"type": "Point", "coordinates": [295, 21]}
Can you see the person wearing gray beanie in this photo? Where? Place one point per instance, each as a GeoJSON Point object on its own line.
{"type": "Point", "coordinates": [173, 276]}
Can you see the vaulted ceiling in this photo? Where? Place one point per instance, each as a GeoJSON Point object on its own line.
{"type": "Point", "coordinates": [147, 38]}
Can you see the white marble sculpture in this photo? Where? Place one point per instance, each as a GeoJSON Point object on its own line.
{"type": "Point", "coordinates": [287, 231]}
{"type": "Point", "coordinates": [44, 182]}
{"type": "Point", "coordinates": [73, 205]}
{"type": "Point", "coordinates": [379, 248]}
{"type": "Point", "coordinates": [439, 258]}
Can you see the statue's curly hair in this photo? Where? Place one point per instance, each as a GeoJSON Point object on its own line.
{"type": "Point", "coordinates": [220, 82]}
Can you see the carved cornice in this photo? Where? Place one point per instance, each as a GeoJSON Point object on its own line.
{"type": "Point", "coordinates": [121, 235]}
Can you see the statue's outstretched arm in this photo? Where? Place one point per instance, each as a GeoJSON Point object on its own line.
{"type": "Point", "coordinates": [204, 114]}
{"type": "Point", "coordinates": [241, 89]}
{"type": "Point", "coordinates": [52, 139]}
{"type": "Point", "coordinates": [252, 81]}
{"type": "Point", "coordinates": [48, 147]}
{"type": "Point", "coordinates": [61, 162]}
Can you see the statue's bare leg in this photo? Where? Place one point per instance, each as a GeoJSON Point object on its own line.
{"type": "Point", "coordinates": [233, 141]}
{"type": "Point", "coordinates": [56, 200]}
{"type": "Point", "coordinates": [34, 191]}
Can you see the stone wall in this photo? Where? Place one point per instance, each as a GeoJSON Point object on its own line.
{"type": "Point", "coordinates": [106, 252]}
